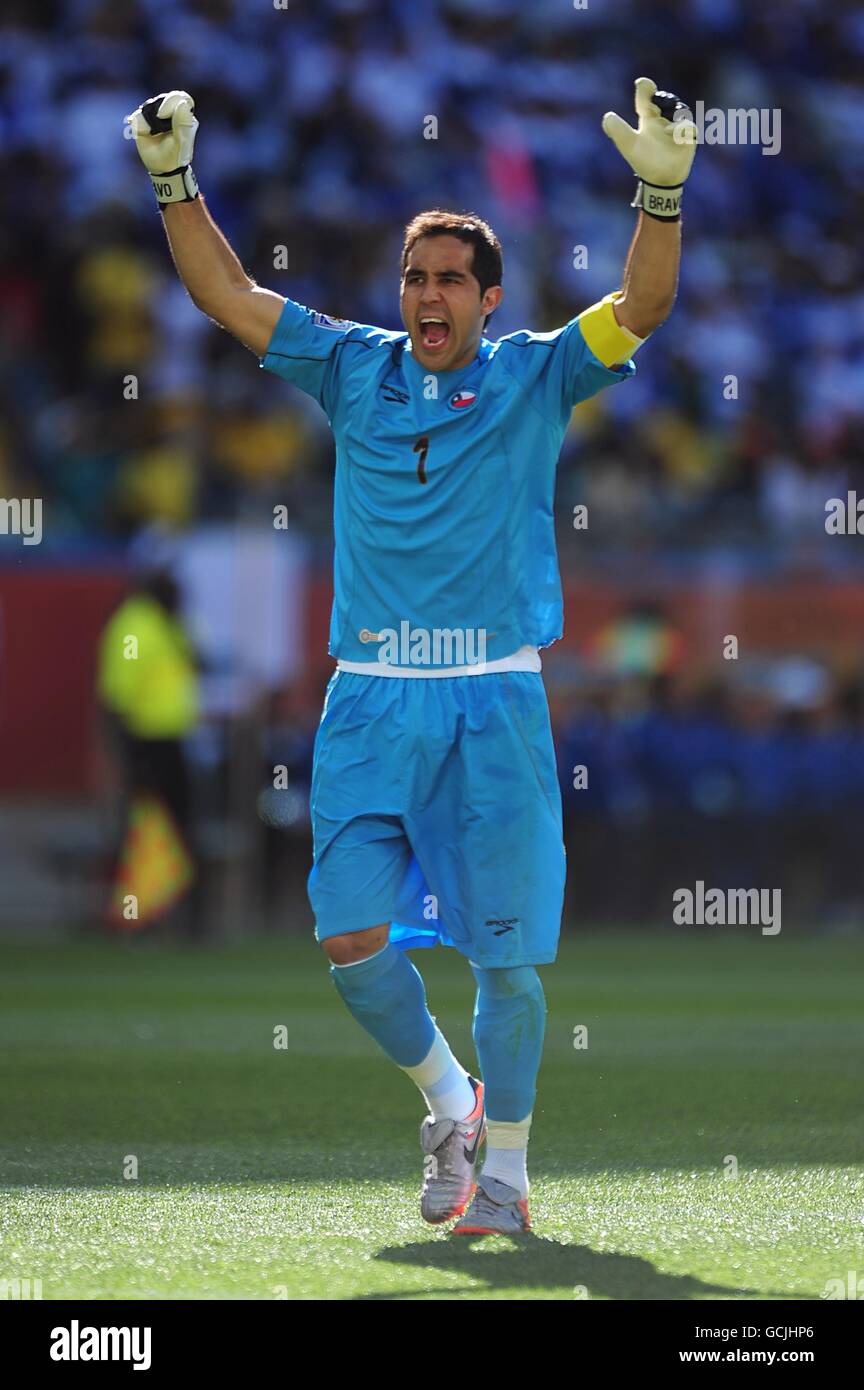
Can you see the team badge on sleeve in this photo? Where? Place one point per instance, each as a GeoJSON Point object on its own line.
{"type": "Point", "coordinates": [327, 321]}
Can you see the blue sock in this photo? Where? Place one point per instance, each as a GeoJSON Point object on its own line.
{"type": "Point", "coordinates": [386, 995]}
{"type": "Point", "coordinates": [508, 1028]}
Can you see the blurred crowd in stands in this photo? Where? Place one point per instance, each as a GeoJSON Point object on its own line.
{"type": "Point", "coordinates": [766, 733]}
{"type": "Point", "coordinates": [744, 771]}
{"type": "Point", "coordinates": [752, 773]}
{"type": "Point", "coordinates": [313, 154]}
{"type": "Point", "coordinates": [122, 407]}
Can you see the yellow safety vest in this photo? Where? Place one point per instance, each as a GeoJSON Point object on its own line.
{"type": "Point", "coordinates": [146, 671]}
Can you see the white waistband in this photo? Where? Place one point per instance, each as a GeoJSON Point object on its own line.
{"type": "Point", "coordinates": [526, 659]}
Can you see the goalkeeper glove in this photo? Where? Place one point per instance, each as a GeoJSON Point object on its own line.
{"type": "Point", "coordinates": [163, 129]}
{"type": "Point", "coordinates": [660, 152]}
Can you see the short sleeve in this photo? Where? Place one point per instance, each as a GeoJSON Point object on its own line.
{"type": "Point", "coordinates": [305, 349]}
{"type": "Point", "coordinates": [560, 369]}
{"type": "Point", "coordinates": [576, 372]}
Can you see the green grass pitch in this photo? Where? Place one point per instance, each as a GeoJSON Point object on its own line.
{"type": "Point", "coordinates": [294, 1172]}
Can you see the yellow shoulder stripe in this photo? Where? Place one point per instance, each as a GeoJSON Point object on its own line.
{"type": "Point", "coordinates": [609, 341]}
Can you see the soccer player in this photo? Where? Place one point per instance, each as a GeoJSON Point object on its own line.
{"type": "Point", "coordinates": [435, 803]}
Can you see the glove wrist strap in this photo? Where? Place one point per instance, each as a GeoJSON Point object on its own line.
{"type": "Point", "coordinates": [179, 186]}
{"type": "Point", "coordinates": [659, 201]}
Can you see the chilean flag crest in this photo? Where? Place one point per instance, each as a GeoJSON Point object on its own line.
{"type": "Point", "coordinates": [462, 400]}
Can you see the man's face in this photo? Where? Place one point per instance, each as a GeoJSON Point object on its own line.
{"type": "Point", "coordinates": [441, 304]}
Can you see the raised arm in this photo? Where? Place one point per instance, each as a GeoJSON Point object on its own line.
{"type": "Point", "coordinates": [215, 279]}
{"type": "Point", "coordinates": [660, 152]}
{"type": "Point", "coordinates": [650, 279]}
{"type": "Point", "coordinates": [164, 132]}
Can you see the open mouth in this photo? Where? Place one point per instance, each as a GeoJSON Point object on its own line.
{"type": "Point", "coordinates": [434, 333]}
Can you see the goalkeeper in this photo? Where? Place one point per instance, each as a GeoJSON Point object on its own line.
{"type": "Point", "coordinates": [436, 807]}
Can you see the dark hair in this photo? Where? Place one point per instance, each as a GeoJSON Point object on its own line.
{"type": "Point", "coordinates": [487, 266]}
{"type": "Point", "coordinates": [162, 587]}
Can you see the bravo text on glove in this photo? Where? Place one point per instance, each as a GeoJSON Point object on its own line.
{"type": "Point", "coordinates": [660, 151]}
{"type": "Point", "coordinates": [163, 129]}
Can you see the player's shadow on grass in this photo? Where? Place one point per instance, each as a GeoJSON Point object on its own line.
{"type": "Point", "coordinates": [537, 1262]}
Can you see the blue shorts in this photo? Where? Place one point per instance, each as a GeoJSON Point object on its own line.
{"type": "Point", "coordinates": [436, 807]}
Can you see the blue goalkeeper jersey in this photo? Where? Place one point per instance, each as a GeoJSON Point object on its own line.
{"type": "Point", "coordinates": [444, 484]}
